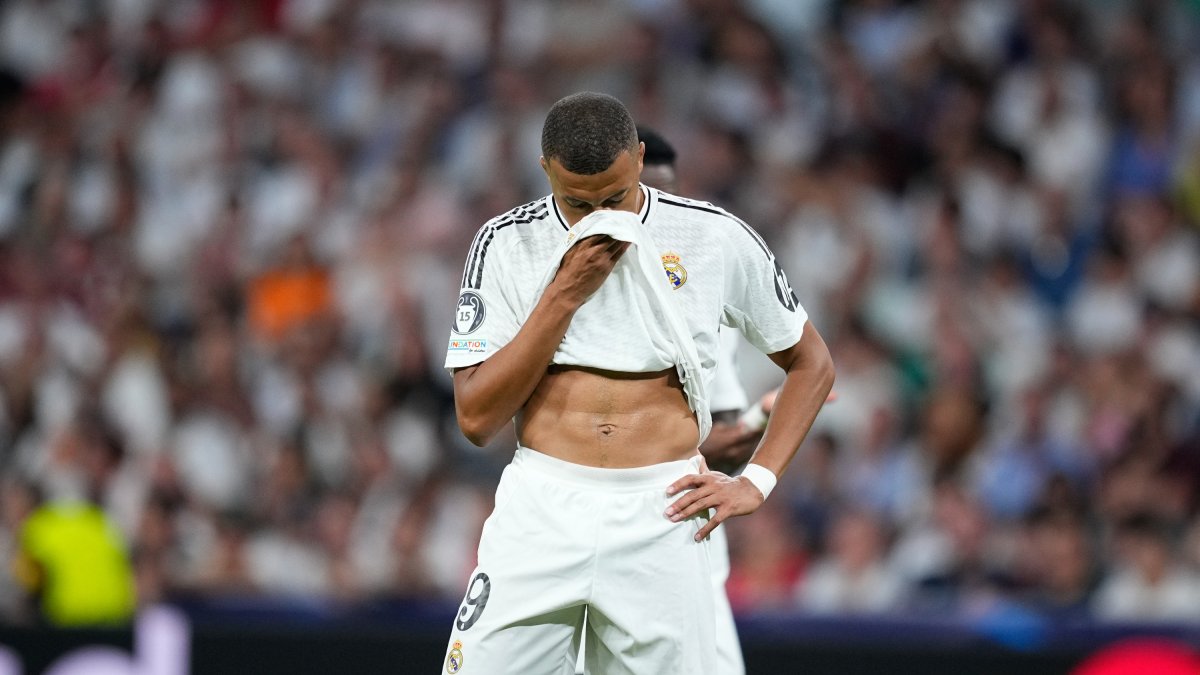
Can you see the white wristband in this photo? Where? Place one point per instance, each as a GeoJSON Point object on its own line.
{"type": "Point", "coordinates": [763, 478]}
{"type": "Point", "coordinates": [754, 419]}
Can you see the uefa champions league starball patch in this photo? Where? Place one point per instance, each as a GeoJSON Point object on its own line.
{"type": "Point", "coordinates": [454, 660]}
{"type": "Point", "coordinates": [675, 271]}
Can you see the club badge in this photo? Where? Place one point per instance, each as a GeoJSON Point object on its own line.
{"type": "Point", "coordinates": [454, 660]}
{"type": "Point", "coordinates": [675, 271]}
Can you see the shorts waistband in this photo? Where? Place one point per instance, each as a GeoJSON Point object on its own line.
{"type": "Point", "coordinates": [636, 479]}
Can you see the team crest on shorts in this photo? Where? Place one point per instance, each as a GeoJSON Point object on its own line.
{"type": "Point", "coordinates": [675, 271]}
{"type": "Point", "coordinates": [454, 660]}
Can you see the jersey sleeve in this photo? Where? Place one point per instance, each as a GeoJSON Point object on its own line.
{"type": "Point", "coordinates": [486, 316]}
{"type": "Point", "coordinates": [759, 300]}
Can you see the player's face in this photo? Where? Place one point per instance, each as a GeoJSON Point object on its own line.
{"type": "Point", "coordinates": [661, 176]}
{"type": "Point", "coordinates": [615, 188]}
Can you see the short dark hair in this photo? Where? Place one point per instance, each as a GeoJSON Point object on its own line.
{"type": "Point", "coordinates": [658, 150]}
{"type": "Point", "coordinates": [586, 131]}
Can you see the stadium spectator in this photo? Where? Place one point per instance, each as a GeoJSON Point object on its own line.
{"type": "Point", "coordinates": [71, 555]}
{"type": "Point", "coordinates": [1147, 584]}
{"type": "Point", "coordinates": [1061, 568]}
{"type": "Point", "coordinates": [854, 577]}
{"type": "Point", "coordinates": [768, 558]}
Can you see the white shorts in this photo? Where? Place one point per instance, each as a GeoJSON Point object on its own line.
{"type": "Point", "coordinates": [729, 649]}
{"type": "Point", "coordinates": [565, 536]}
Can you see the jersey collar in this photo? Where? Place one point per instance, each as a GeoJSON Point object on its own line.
{"type": "Point", "coordinates": [648, 196]}
{"type": "Point", "coordinates": [651, 198]}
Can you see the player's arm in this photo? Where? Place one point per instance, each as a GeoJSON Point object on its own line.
{"type": "Point", "coordinates": [760, 303]}
{"type": "Point", "coordinates": [808, 380]}
{"type": "Point", "coordinates": [487, 395]}
{"type": "Point", "coordinates": [735, 435]}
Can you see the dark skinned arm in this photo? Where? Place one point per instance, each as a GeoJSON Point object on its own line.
{"type": "Point", "coordinates": [487, 395]}
{"type": "Point", "coordinates": [809, 378]}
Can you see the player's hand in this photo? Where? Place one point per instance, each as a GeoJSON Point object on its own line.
{"type": "Point", "coordinates": [586, 265]}
{"type": "Point", "coordinates": [728, 446]}
{"type": "Point", "coordinates": [725, 495]}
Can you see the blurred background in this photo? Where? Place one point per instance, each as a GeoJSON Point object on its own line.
{"type": "Point", "coordinates": [231, 235]}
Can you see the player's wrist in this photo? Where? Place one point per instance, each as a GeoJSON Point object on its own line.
{"type": "Point", "coordinates": [562, 300]}
{"type": "Point", "coordinates": [760, 477]}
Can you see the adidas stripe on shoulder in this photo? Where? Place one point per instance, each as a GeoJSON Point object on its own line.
{"type": "Point", "coordinates": [526, 213]}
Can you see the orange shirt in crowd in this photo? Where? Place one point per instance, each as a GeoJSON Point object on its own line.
{"type": "Point", "coordinates": [285, 298]}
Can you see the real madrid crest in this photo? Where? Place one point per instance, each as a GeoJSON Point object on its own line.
{"type": "Point", "coordinates": [454, 661]}
{"type": "Point", "coordinates": [675, 271]}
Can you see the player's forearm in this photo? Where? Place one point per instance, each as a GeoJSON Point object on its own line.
{"type": "Point", "coordinates": [809, 379]}
{"type": "Point", "coordinates": [488, 395]}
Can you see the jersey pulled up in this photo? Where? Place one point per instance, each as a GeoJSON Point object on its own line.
{"type": "Point", "coordinates": [720, 269]}
{"type": "Point", "coordinates": [654, 335]}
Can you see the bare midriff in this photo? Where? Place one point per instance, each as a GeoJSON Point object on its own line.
{"type": "Point", "coordinates": [609, 419]}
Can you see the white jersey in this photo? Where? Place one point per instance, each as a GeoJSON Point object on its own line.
{"type": "Point", "coordinates": [636, 314]}
{"type": "Point", "coordinates": [722, 270]}
{"type": "Point", "coordinates": [726, 391]}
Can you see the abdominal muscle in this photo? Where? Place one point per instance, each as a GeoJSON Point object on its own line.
{"type": "Point", "coordinates": [609, 419]}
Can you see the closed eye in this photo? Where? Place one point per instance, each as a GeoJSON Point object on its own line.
{"type": "Point", "coordinates": [609, 203]}
{"type": "Point", "coordinates": [616, 200]}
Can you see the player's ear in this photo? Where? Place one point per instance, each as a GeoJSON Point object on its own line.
{"type": "Point", "coordinates": [545, 165]}
{"type": "Point", "coordinates": [641, 154]}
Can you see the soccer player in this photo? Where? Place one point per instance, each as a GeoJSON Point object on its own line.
{"type": "Point", "coordinates": [607, 503]}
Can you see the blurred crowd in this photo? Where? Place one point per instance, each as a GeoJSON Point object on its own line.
{"type": "Point", "coordinates": [231, 235]}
